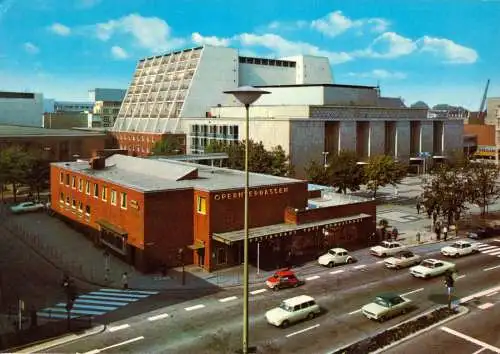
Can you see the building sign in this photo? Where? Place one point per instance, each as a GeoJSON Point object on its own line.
{"type": "Point", "coordinates": [264, 192]}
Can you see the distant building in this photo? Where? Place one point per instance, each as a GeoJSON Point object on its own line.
{"type": "Point", "coordinates": [73, 106]}
{"type": "Point", "coordinates": [21, 108]}
{"type": "Point", "coordinates": [106, 111]}
{"type": "Point", "coordinates": [65, 120]}
{"type": "Point", "coordinates": [493, 109]}
{"type": "Point", "coordinates": [106, 94]}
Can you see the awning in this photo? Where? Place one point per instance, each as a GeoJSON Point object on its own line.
{"type": "Point", "coordinates": [109, 226]}
{"type": "Point", "coordinates": [281, 230]}
{"type": "Point", "coordinates": [197, 245]}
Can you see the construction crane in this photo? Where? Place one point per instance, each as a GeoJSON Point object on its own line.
{"type": "Point", "coordinates": [482, 111]}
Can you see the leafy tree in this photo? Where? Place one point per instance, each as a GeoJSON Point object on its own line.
{"type": "Point", "coordinates": [482, 177]}
{"type": "Point", "coordinates": [167, 146]}
{"type": "Point", "coordinates": [38, 174]}
{"type": "Point", "coordinates": [280, 162]}
{"type": "Point", "coordinates": [382, 170]}
{"type": "Point", "coordinates": [317, 173]}
{"type": "Point", "coordinates": [17, 164]}
{"type": "Point", "coordinates": [345, 173]}
{"type": "Point", "coordinates": [420, 104]}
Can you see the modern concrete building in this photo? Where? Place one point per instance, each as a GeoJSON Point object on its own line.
{"type": "Point", "coordinates": [65, 120]}
{"type": "Point", "coordinates": [106, 94]}
{"type": "Point", "coordinates": [21, 108]}
{"type": "Point", "coordinates": [105, 112]}
{"type": "Point", "coordinates": [493, 109]}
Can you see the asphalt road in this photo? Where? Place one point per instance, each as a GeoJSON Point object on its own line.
{"type": "Point", "coordinates": [212, 324]}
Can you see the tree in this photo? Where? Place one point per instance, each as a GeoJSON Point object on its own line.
{"type": "Point", "coordinates": [420, 104]}
{"type": "Point", "coordinates": [382, 170]}
{"type": "Point", "coordinates": [17, 164]}
{"type": "Point", "coordinates": [345, 172]}
{"type": "Point", "coordinates": [167, 146]}
{"type": "Point", "coordinates": [38, 174]}
{"type": "Point", "coordinates": [317, 173]}
{"type": "Point", "coordinates": [483, 177]}
{"type": "Point", "coordinates": [280, 162]}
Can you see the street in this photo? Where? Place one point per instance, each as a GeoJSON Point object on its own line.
{"type": "Point", "coordinates": [213, 323]}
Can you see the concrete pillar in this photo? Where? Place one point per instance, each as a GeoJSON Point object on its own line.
{"type": "Point", "coordinates": [376, 138]}
{"type": "Point", "coordinates": [453, 136]}
{"type": "Point", "coordinates": [402, 148]}
{"type": "Point", "coordinates": [426, 137]}
{"type": "Point", "coordinates": [347, 135]}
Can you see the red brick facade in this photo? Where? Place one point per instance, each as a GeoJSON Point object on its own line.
{"type": "Point", "coordinates": [141, 144]}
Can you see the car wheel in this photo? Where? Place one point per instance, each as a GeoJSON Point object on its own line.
{"type": "Point", "coordinates": [285, 324]}
{"type": "Point", "coordinates": [427, 276]}
{"type": "Point", "coordinates": [311, 316]}
{"type": "Point", "coordinates": [382, 319]}
{"type": "Point", "coordinates": [456, 255]}
{"type": "Point", "coordinates": [331, 264]}
{"type": "Point", "coordinates": [384, 254]}
{"type": "Point", "coordinates": [350, 260]}
{"type": "Point", "coordinates": [296, 284]}
{"type": "Point", "coordinates": [276, 288]}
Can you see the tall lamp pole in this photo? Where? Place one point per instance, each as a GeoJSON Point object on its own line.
{"type": "Point", "coordinates": [246, 95]}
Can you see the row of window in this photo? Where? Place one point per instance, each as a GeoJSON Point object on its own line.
{"type": "Point", "coordinates": [138, 138]}
{"type": "Point", "coordinates": [65, 179]}
{"type": "Point", "coordinates": [136, 148]}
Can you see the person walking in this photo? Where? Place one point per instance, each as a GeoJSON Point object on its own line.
{"type": "Point", "coordinates": [445, 232]}
{"type": "Point", "coordinates": [418, 207]}
{"type": "Point", "coordinates": [125, 280]}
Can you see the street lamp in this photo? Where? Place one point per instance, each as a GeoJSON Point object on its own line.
{"type": "Point", "coordinates": [246, 95]}
{"type": "Point", "coordinates": [325, 159]}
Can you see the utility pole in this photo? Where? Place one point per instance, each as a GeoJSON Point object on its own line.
{"type": "Point", "coordinates": [180, 255]}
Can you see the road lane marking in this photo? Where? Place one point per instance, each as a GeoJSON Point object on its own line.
{"type": "Point", "coordinates": [412, 292]}
{"type": "Point", "coordinates": [255, 292]}
{"type": "Point", "coordinates": [496, 240]}
{"type": "Point", "coordinates": [118, 328]}
{"type": "Point", "coordinates": [95, 351]}
{"type": "Point", "coordinates": [379, 262]}
{"type": "Point", "coordinates": [337, 271]}
{"type": "Point", "coordinates": [479, 350]}
{"type": "Point", "coordinates": [360, 266]}
{"type": "Point", "coordinates": [313, 277]}
{"type": "Point", "coordinates": [496, 249]}
{"type": "Point", "coordinates": [482, 248]}
{"type": "Point", "coordinates": [230, 298]}
{"type": "Point", "coordinates": [496, 253]}
{"type": "Point", "coordinates": [354, 312]}
{"type": "Point", "coordinates": [461, 276]}
{"type": "Point", "coordinates": [493, 294]}
{"type": "Point", "coordinates": [195, 307]}
{"type": "Point", "coordinates": [302, 330]}
{"type": "Point", "coordinates": [485, 306]}
{"type": "Point", "coordinates": [158, 317]}
{"type": "Point", "coordinates": [470, 339]}
{"type": "Point", "coordinates": [491, 268]}
{"type": "Point", "coordinates": [479, 294]}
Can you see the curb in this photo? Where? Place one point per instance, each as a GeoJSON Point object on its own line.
{"type": "Point", "coordinates": [462, 310]}
{"type": "Point", "coordinates": [47, 344]}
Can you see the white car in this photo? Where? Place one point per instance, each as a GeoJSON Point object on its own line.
{"type": "Point", "coordinates": [431, 268]}
{"type": "Point", "coordinates": [460, 248]}
{"type": "Point", "coordinates": [292, 310]}
{"type": "Point", "coordinates": [386, 306]}
{"type": "Point", "coordinates": [26, 207]}
{"type": "Point", "coordinates": [387, 248]}
{"type": "Point", "coordinates": [335, 256]}
{"type": "Point", "coordinates": [402, 259]}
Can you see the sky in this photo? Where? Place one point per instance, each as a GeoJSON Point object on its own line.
{"type": "Point", "coordinates": [437, 51]}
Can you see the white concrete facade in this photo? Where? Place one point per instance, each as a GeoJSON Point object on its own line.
{"type": "Point", "coordinates": [21, 108]}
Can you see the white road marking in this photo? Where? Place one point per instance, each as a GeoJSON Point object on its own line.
{"type": "Point", "coordinates": [493, 294]}
{"type": "Point", "coordinates": [496, 253]}
{"type": "Point", "coordinates": [158, 317]}
{"type": "Point", "coordinates": [337, 271]}
{"type": "Point", "coordinates": [479, 294]}
{"type": "Point", "coordinates": [354, 312]}
{"type": "Point", "coordinates": [313, 277]}
{"type": "Point", "coordinates": [412, 292]}
{"type": "Point", "coordinates": [470, 339]}
{"type": "Point", "coordinates": [461, 276]}
{"type": "Point", "coordinates": [230, 298]}
{"type": "Point", "coordinates": [496, 249]}
{"type": "Point", "coordinates": [360, 266]}
{"type": "Point", "coordinates": [379, 262]}
{"type": "Point", "coordinates": [496, 240]}
{"type": "Point", "coordinates": [302, 330]}
{"type": "Point", "coordinates": [195, 307]}
{"type": "Point", "coordinates": [491, 268]}
{"type": "Point", "coordinates": [479, 350]}
{"type": "Point", "coordinates": [117, 328]}
{"type": "Point", "coordinates": [487, 247]}
{"type": "Point", "coordinates": [485, 306]}
{"type": "Point", "coordinates": [95, 351]}
{"type": "Point", "coordinates": [255, 292]}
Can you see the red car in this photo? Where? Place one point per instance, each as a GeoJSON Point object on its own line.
{"type": "Point", "coordinates": [283, 279]}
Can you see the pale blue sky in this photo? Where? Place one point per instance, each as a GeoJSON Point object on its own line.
{"type": "Point", "coordinates": [432, 50]}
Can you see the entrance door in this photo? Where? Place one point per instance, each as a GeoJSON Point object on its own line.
{"type": "Point", "coordinates": [201, 257]}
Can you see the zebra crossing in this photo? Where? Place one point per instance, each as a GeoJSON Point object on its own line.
{"type": "Point", "coordinates": [489, 249]}
{"type": "Point", "coordinates": [96, 303]}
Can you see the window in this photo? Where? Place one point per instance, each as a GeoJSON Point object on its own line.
{"type": "Point", "coordinates": [87, 209]}
{"type": "Point", "coordinates": [113, 197]}
{"type": "Point", "coordinates": [80, 206]}
{"type": "Point", "coordinates": [104, 193]}
{"type": "Point", "coordinates": [67, 200]}
{"type": "Point", "coordinates": [221, 256]}
{"type": "Point", "coordinates": [123, 200]}
{"type": "Point", "coordinates": [96, 190]}
{"type": "Point", "coordinates": [61, 197]}
{"type": "Point", "coordinates": [80, 184]}
{"type": "Point", "coordinates": [67, 179]}
{"type": "Point", "coordinates": [73, 182]}
{"type": "Point", "coordinates": [73, 205]}
{"type": "Point", "coordinates": [61, 177]}
{"type": "Point", "coordinates": [201, 205]}
{"type": "Point", "coordinates": [87, 187]}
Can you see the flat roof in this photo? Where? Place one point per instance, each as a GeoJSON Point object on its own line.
{"type": "Point", "coordinates": [320, 85]}
{"type": "Point", "coordinates": [147, 175]}
{"type": "Point", "coordinates": [15, 131]}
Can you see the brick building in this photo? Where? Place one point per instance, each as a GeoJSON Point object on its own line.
{"type": "Point", "coordinates": [147, 210]}
{"type": "Point", "coordinates": [142, 144]}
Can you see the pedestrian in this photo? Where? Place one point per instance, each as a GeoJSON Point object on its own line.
{"type": "Point", "coordinates": [418, 207]}
{"type": "Point", "coordinates": [417, 236]}
{"type": "Point", "coordinates": [434, 217]}
{"type": "Point", "coordinates": [445, 232]}
{"type": "Point", "coordinates": [125, 280]}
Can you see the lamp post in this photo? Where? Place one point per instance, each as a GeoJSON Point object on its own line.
{"type": "Point", "coordinates": [325, 159]}
{"type": "Point", "coordinates": [246, 95]}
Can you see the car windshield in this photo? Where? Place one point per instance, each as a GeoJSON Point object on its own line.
{"type": "Point", "coordinates": [332, 252]}
{"type": "Point", "coordinates": [380, 301]}
{"type": "Point", "coordinates": [455, 245]}
{"type": "Point", "coordinates": [427, 264]}
{"type": "Point", "coordinates": [285, 307]}
{"type": "Point", "coordinates": [384, 244]}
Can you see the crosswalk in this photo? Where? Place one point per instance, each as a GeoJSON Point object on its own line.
{"type": "Point", "coordinates": [492, 250]}
{"type": "Point", "coordinates": [96, 303]}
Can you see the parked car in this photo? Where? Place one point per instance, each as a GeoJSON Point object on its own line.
{"type": "Point", "coordinates": [484, 232]}
{"type": "Point", "coordinates": [26, 207]}
{"type": "Point", "coordinates": [459, 248]}
{"type": "Point", "coordinates": [283, 279]}
{"type": "Point", "coordinates": [387, 248]}
{"type": "Point", "coordinates": [335, 256]}
{"type": "Point", "coordinates": [402, 259]}
{"type": "Point", "coordinates": [386, 306]}
{"type": "Point", "coordinates": [431, 268]}
{"type": "Point", "coordinates": [293, 310]}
